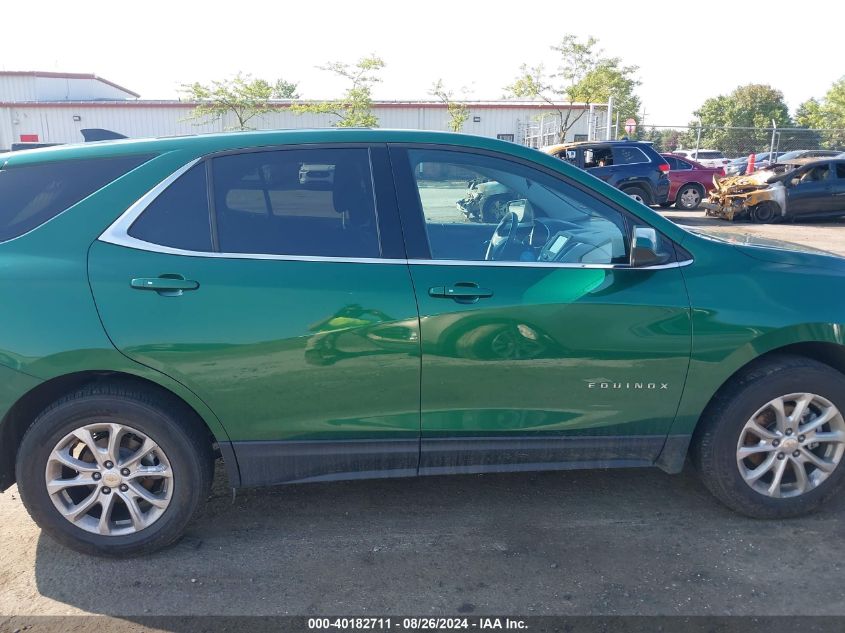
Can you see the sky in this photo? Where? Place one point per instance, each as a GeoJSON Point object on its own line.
{"type": "Point", "coordinates": [686, 51]}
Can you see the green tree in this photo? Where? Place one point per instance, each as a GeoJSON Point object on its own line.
{"type": "Point", "coordinates": [811, 115]}
{"type": "Point", "coordinates": [584, 75]}
{"type": "Point", "coordinates": [241, 96]}
{"type": "Point", "coordinates": [753, 107]}
{"type": "Point", "coordinates": [827, 114]}
{"type": "Point", "coordinates": [458, 112]}
{"type": "Point", "coordinates": [354, 109]}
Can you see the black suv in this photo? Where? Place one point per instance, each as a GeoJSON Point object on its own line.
{"type": "Point", "coordinates": [632, 166]}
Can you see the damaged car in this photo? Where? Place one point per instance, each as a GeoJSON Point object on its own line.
{"type": "Point", "coordinates": [485, 201]}
{"type": "Point", "coordinates": [802, 188]}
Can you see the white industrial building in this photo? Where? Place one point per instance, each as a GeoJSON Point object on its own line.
{"type": "Point", "coordinates": [50, 107]}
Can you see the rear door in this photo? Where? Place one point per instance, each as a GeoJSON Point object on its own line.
{"type": "Point", "coordinates": [540, 344]}
{"type": "Point", "coordinates": [274, 285]}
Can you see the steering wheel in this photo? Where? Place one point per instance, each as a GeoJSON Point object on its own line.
{"type": "Point", "coordinates": [502, 236]}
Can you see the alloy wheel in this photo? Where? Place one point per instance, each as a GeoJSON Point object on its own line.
{"type": "Point", "coordinates": [791, 445]}
{"type": "Point", "coordinates": [690, 198]}
{"type": "Point", "coordinates": [109, 479]}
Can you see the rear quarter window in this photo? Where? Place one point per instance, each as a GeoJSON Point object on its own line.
{"type": "Point", "coordinates": [31, 195]}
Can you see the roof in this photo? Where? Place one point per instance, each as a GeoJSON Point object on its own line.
{"type": "Point", "coordinates": [203, 144]}
{"type": "Point", "coordinates": [55, 75]}
{"type": "Point", "coordinates": [549, 149]}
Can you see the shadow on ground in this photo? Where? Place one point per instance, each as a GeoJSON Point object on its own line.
{"type": "Point", "coordinates": [585, 542]}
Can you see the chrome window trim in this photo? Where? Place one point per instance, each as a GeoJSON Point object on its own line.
{"type": "Point", "coordinates": [461, 262]}
{"type": "Point", "coordinates": [118, 234]}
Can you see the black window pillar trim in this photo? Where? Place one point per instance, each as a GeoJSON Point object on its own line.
{"type": "Point", "coordinates": [391, 239]}
{"type": "Point", "coordinates": [409, 205]}
{"type": "Point", "coordinates": [212, 209]}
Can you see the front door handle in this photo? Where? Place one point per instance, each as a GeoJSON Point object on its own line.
{"type": "Point", "coordinates": [166, 285]}
{"type": "Point", "coordinates": [462, 292]}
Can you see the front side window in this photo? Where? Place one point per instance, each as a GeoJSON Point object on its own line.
{"type": "Point", "coordinates": [304, 202]}
{"type": "Point", "coordinates": [478, 207]}
{"type": "Point", "coordinates": [33, 194]}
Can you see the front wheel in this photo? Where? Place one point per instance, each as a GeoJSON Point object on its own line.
{"type": "Point", "coordinates": [772, 445]}
{"type": "Point", "coordinates": [764, 212]}
{"type": "Point", "coordinates": [114, 471]}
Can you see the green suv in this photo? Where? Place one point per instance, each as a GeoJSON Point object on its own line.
{"type": "Point", "coordinates": [170, 302]}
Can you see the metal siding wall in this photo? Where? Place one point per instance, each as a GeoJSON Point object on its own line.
{"type": "Point", "coordinates": [5, 129]}
{"type": "Point", "coordinates": [56, 124]}
{"type": "Point", "coordinates": [73, 89]}
{"type": "Point", "coordinates": [17, 88]}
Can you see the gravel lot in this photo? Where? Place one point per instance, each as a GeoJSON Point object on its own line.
{"type": "Point", "coordinates": [597, 542]}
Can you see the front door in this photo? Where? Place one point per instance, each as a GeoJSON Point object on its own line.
{"type": "Point", "coordinates": [541, 346]}
{"type": "Point", "coordinates": [810, 192]}
{"type": "Point", "coordinates": [286, 306]}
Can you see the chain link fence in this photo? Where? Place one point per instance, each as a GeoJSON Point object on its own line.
{"type": "Point", "coordinates": [739, 142]}
{"type": "Point", "coordinates": [732, 142]}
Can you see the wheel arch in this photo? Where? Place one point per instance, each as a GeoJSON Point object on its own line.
{"type": "Point", "coordinates": [692, 183]}
{"type": "Point", "coordinates": [676, 448]}
{"type": "Point", "coordinates": [24, 411]}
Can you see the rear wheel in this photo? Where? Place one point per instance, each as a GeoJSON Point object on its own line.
{"type": "Point", "coordinates": [689, 197]}
{"type": "Point", "coordinates": [772, 445]}
{"type": "Point", "coordinates": [114, 471]}
{"type": "Point", "coordinates": [639, 194]}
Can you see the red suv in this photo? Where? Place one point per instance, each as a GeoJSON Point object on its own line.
{"type": "Point", "coordinates": [689, 182]}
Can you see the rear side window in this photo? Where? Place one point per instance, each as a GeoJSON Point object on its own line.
{"type": "Point", "coordinates": [306, 202]}
{"type": "Point", "coordinates": [33, 194]}
{"type": "Point", "coordinates": [629, 155]}
{"type": "Point", "coordinates": [179, 217]}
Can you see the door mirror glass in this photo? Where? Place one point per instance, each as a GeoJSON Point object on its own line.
{"type": "Point", "coordinates": [647, 248]}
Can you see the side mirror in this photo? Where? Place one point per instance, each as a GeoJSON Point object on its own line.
{"type": "Point", "coordinates": [644, 249]}
{"type": "Point", "coordinates": [523, 211]}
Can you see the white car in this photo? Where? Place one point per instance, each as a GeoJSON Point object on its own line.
{"type": "Point", "coordinates": [705, 157]}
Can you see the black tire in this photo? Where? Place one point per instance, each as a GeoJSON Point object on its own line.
{"type": "Point", "coordinates": [666, 205]}
{"type": "Point", "coordinates": [764, 212]}
{"type": "Point", "coordinates": [638, 192]}
{"type": "Point", "coordinates": [715, 441]}
{"type": "Point", "coordinates": [183, 439]}
{"type": "Point", "coordinates": [693, 204]}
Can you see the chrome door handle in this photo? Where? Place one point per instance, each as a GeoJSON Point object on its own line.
{"type": "Point", "coordinates": [165, 285]}
{"type": "Point", "coordinates": [463, 292]}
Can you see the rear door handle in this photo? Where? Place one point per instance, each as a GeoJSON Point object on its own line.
{"type": "Point", "coordinates": [463, 292]}
{"type": "Point", "coordinates": [167, 285]}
